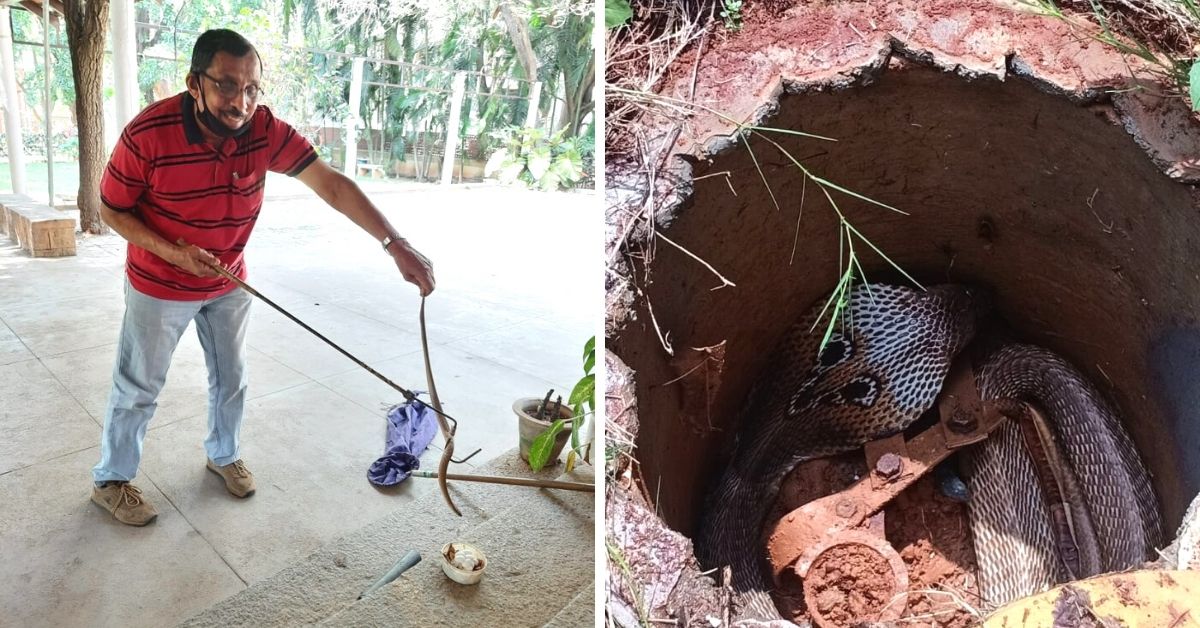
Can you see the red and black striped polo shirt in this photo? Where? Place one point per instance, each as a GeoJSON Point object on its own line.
{"type": "Point", "coordinates": [183, 187]}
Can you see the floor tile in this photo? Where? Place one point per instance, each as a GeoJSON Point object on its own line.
{"type": "Point", "coordinates": [27, 280]}
{"type": "Point", "coordinates": [369, 340]}
{"type": "Point", "coordinates": [50, 328]}
{"type": "Point", "coordinates": [67, 562]}
{"type": "Point", "coordinates": [11, 348]}
{"type": "Point", "coordinates": [38, 417]}
{"type": "Point", "coordinates": [309, 451]}
{"type": "Point", "coordinates": [87, 374]}
{"type": "Point", "coordinates": [540, 348]}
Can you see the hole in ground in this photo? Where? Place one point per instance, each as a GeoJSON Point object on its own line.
{"type": "Point", "coordinates": [1087, 245]}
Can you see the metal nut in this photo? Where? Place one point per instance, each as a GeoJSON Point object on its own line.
{"type": "Point", "coordinates": [845, 509]}
{"type": "Point", "coordinates": [889, 466]}
{"type": "Point", "coordinates": [962, 423]}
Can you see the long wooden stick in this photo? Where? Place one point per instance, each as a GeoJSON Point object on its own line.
{"type": "Point", "coordinates": [498, 479]}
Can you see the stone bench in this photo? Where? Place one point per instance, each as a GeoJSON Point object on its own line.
{"type": "Point", "coordinates": [38, 229]}
{"type": "Point", "coordinates": [375, 171]}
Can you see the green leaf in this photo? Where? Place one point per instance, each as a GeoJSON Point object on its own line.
{"type": "Point", "coordinates": [568, 169]}
{"type": "Point", "coordinates": [539, 161]}
{"type": "Point", "coordinates": [511, 171]}
{"type": "Point", "coordinates": [495, 162]}
{"type": "Point", "coordinates": [589, 361]}
{"type": "Point", "coordinates": [539, 451]}
{"type": "Point", "coordinates": [589, 347]}
{"type": "Point", "coordinates": [1194, 85]}
{"type": "Point", "coordinates": [584, 390]}
{"type": "Point", "coordinates": [616, 13]}
{"type": "Point", "coordinates": [549, 181]}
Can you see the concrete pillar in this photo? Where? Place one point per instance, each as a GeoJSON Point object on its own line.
{"type": "Point", "coordinates": [356, 90]}
{"type": "Point", "coordinates": [453, 124]}
{"type": "Point", "coordinates": [124, 60]}
{"type": "Point", "coordinates": [12, 106]}
{"type": "Point", "coordinates": [535, 99]}
{"type": "Point", "coordinates": [48, 104]}
{"type": "Point", "coordinates": [597, 100]}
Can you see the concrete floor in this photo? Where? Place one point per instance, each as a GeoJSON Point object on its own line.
{"type": "Point", "coordinates": [517, 296]}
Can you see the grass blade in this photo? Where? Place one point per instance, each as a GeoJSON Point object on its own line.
{"type": "Point", "coordinates": [760, 171]}
{"type": "Point", "coordinates": [885, 257]}
{"type": "Point", "coordinates": [856, 194]}
{"type": "Point", "coordinates": [793, 132]}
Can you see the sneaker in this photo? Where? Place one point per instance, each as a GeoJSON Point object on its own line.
{"type": "Point", "coordinates": [238, 479]}
{"type": "Point", "coordinates": [125, 502]}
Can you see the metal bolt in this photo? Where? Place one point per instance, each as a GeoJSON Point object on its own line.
{"type": "Point", "coordinates": [962, 423]}
{"type": "Point", "coordinates": [889, 466]}
{"type": "Point", "coordinates": [845, 509]}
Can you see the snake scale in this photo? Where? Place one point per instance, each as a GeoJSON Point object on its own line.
{"type": "Point", "coordinates": [876, 380]}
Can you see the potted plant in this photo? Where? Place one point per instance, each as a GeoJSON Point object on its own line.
{"type": "Point", "coordinates": [537, 416]}
{"type": "Point", "coordinates": [544, 426]}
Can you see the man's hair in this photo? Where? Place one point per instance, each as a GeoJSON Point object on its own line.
{"type": "Point", "coordinates": [220, 40]}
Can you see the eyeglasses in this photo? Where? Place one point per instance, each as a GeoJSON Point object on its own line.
{"type": "Point", "coordinates": [229, 90]}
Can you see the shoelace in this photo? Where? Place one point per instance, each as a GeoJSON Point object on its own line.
{"type": "Point", "coordinates": [240, 470]}
{"type": "Point", "coordinates": [131, 494]}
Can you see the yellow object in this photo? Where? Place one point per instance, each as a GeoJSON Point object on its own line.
{"type": "Point", "coordinates": [1135, 599]}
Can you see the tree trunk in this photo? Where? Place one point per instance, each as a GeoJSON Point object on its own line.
{"type": "Point", "coordinates": [578, 99]}
{"type": "Point", "coordinates": [87, 23]}
{"type": "Point", "coordinates": [518, 32]}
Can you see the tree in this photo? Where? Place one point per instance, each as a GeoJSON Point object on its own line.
{"type": "Point", "coordinates": [518, 30]}
{"type": "Point", "coordinates": [87, 24]}
{"type": "Point", "coordinates": [578, 67]}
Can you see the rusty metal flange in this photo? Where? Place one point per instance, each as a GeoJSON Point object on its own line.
{"type": "Point", "coordinates": [874, 543]}
{"type": "Point", "coordinates": [895, 465]}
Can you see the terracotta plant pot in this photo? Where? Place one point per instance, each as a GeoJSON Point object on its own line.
{"type": "Point", "coordinates": [530, 427]}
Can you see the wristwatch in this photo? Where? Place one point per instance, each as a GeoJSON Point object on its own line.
{"type": "Point", "coordinates": [388, 239]}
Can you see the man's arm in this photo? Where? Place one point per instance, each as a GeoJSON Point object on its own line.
{"type": "Point", "coordinates": [189, 257]}
{"type": "Point", "coordinates": [345, 196]}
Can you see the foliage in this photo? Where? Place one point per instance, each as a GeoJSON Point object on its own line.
{"type": "Point", "coordinates": [528, 156]}
{"type": "Point", "coordinates": [583, 404]}
{"type": "Point", "coordinates": [616, 13]}
{"type": "Point", "coordinates": [1194, 85]}
{"type": "Point", "coordinates": [28, 27]}
{"type": "Point", "coordinates": [731, 12]}
{"type": "Point", "coordinates": [66, 145]}
{"type": "Point", "coordinates": [460, 35]}
{"type": "Point", "coordinates": [307, 63]}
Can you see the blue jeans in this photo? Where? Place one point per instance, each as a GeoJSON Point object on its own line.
{"type": "Point", "coordinates": [149, 334]}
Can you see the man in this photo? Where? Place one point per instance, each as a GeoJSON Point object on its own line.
{"type": "Point", "coordinates": [184, 186]}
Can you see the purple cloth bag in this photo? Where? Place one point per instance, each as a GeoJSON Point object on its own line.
{"type": "Point", "coordinates": [411, 427]}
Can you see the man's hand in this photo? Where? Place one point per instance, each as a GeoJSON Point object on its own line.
{"type": "Point", "coordinates": [416, 268]}
{"type": "Point", "coordinates": [194, 259]}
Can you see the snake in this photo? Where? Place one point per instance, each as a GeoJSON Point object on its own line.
{"type": "Point", "coordinates": [1106, 501]}
{"type": "Point", "coordinates": [875, 375]}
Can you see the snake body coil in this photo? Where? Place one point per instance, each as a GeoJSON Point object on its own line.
{"type": "Point", "coordinates": [882, 377]}
{"type": "Point", "coordinates": [1114, 513]}
{"type": "Point", "coordinates": [866, 385]}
